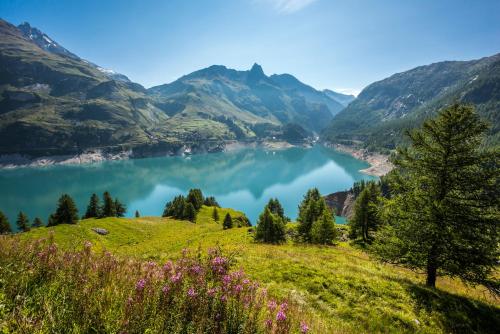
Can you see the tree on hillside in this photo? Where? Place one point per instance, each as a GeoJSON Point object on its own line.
{"type": "Point", "coordinates": [323, 230]}
{"type": "Point", "coordinates": [108, 208]}
{"type": "Point", "coordinates": [275, 207]}
{"type": "Point", "coordinates": [195, 197]}
{"type": "Point", "coordinates": [443, 216]}
{"type": "Point", "coordinates": [310, 210]}
{"type": "Point", "coordinates": [175, 208]}
{"type": "Point", "coordinates": [211, 201]}
{"type": "Point", "coordinates": [189, 212]}
{"type": "Point", "coordinates": [94, 207]}
{"type": "Point", "coordinates": [137, 214]}
{"type": "Point", "coordinates": [366, 212]}
{"type": "Point", "coordinates": [215, 214]}
{"type": "Point", "coordinates": [228, 222]}
{"type": "Point", "coordinates": [120, 208]}
{"type": "Point", "coordinates": [37, 222]}
{"type": "Point", "coordinates": [4, 224]}
{"type": "Point", "coordinates": [270, 227]}
{"type": "Point", "coordinates": [66, 212]}
{"type": "Point", "coordinates": [22, 222]}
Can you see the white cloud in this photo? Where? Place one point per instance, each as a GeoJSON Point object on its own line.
{"type": "Point", "coordinates": [348, 91]}
{"type": "Point", "coordinates": [288, 6]}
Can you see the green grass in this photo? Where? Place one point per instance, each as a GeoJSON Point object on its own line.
{"type": "Point", "coordinates": [340, 288]}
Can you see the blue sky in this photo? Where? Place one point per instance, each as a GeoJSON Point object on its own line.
{"type": "Point", "coordinates": [342, 45]}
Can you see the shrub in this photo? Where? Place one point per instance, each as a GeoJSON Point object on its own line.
{"type": "Point", "coordinates": [87, 292]}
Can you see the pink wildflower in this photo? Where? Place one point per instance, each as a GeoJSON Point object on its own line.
{"type": "Point", "coordinates": [191, 293]}
{"type": "Point", "coordinates": [272, 305]}
{"type": "Point", "coordinates": [268, 323]}
{"type": "Point", "coordinates": [139, 286]}
{"type": "Point", "coordinates": [165, 289]}
{"type": "Point", "coordinates": [304, 328]}
{"type": "Point", "coordinates": [176, 278]}
{"type": "Point", "coordinates": [281, 316]}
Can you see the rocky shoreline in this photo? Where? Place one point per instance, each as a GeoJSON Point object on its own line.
{"type": "Point", "coordinates": [380, 164]}
{"type": "Point", "coordinates": [10, 161]}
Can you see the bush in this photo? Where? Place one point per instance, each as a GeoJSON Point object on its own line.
{"type": "Point", "coordinates": [87, 292]}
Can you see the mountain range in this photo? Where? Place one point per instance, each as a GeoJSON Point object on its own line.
{"type": "Point", "coordinates": [54, 102]}
{"type": "Point", "coordinates": [381, 113]}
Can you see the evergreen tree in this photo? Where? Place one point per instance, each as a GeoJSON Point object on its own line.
{"type": "Point", "coordinates": [108, 208]}
{"type": "Point", "coordinates": [228, 222]}
{"type": "Point", "coordinates": [189, 212]}
{"type": "Point", "coordinates": [211, 201]}
{"type": "Point", "coordinates": [51, 221]}
{"type": "Point", "coordinates": [4, 224]}
{"type": "Point", "coordinates": [270, 227]}
{"type": "Point", "coordinates": [366, 212]}
{"type": "Point", "coordinates": [175, 208]}
{"type": "Point", "coordinates": [120, 208]}
{"type": "Point", "coordinates": [275, 207]}
{"type": "Point", "coordinates": [94, 207]}
{"type": "Point", "coordinates": [37, 222]}
{"type": "Point", "coordinates": [66, 212]}
{"type": "Point", "coordinates": [195, 197]}
{"type": "Point", "coordinates": [22, 222]}
{"type": "Point", "coordinates": [215, 214]}
{"type": "Point", "coordinates": [310, 210]}
{"type": "Point", "coordinates": [443, 216]}
{"type": "Point", "coordinates": [323, 230]}
{"type": "Point", "coordinates": [137, 214]}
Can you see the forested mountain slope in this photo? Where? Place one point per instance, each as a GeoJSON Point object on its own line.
{"type": "Point", "coordinates": [384, 109]}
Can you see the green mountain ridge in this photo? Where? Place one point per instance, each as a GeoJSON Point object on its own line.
{"type": "Point", "coordinates": [384, 109]}
{"type": "Point", "coordinates": [53, 102]}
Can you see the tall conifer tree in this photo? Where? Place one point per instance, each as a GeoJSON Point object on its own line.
{"type": "Point", "coordinates": [443, 217]}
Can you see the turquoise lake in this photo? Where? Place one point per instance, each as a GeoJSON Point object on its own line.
{"type": "Point", "coordinates": [244, 180]}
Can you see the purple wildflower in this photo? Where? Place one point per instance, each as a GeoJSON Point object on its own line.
{"type": "Point", "coordinates": [176, 278]}
{"type": "Point", "coordinates": [304, 328]}
{"type": "Point", "coordinates": [281, 316]}
{"type": "Point", "coordinates": [272, 305]}
{"type": "Point", "coordinates": [191, 293]}
{"type": "Point", "coordinates": [139, 286]}
{"type": "Point", "coordinates": [165, 289]}
{"type": "Point", "coordinates": [238, 288]}
{"type": "Point", "coordinates": [268, 323]}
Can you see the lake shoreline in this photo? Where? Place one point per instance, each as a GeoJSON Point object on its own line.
{"type": "Point", "coordinates": [12, 161]}
{"type": "Point", "coordinates": [379, 163]}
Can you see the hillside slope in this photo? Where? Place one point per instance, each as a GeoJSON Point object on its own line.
{"type": "Point", "coordinates": [340, 288]}
{"type": "Point", "coordinates": [385, 108]}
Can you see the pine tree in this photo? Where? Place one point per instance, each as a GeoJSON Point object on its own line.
{"type": "Point", "coordinates": [120, 208]}
{"type": "Point", "coordinates": [215, 214]}
{"type": "Point", "coordinates": [189, 212]}
{"type": "Point", "coordinates": [4, 224]}
{"type": "Point", "coordinates": [443, 215]}
{"type": "Point", "coordinates": [175, 208]}
{"type": "Point", "coordinates": [108, 208]}
{"type": "Point", "coordinates": [22, 222]}
{"type": "Point", "coordinates": [195, 197]}
{"type": "Point", "coordinates": [94, 207]}
{"type": "Point", "coordinates": [37, 222]}
{"type": "Point", "coordinates": [66, 212]}
{"type": "Point", "coordinates": [270, 227]}
{"type": "Point", "coordinates": [137, 214]}
{"type": "Point", "coordinates": [366, 212]}
{"type": "Point", "coordinates": [323, 230]}
{"type": "Point", "coordinates": [275, 207]}
{"type": "Point", "coordinates": [310, 210]}
{"type": "Point", "coordinates": [228, 222]}
{"type": "Point", "coordinates": [211, 201]}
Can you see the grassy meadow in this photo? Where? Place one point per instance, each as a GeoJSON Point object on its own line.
{"type": "Point", "coordinates": [337, 289]}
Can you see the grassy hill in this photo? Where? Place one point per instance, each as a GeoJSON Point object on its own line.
{"type": "Point", "coordinates": [340, 289]}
